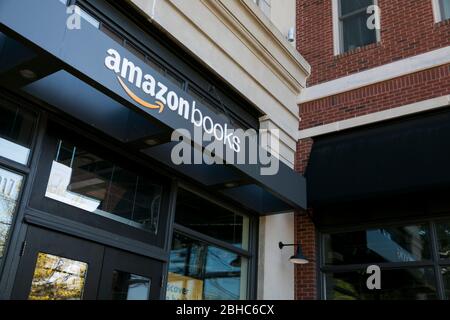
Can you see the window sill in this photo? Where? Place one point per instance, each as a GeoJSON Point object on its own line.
{"type": "Point", "coordinates": [442, 23]}
{"type": "Point", "coordinates": [358, 50]}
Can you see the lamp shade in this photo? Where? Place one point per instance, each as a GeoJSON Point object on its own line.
{"type": "Point", "coordinates": [299, 257]}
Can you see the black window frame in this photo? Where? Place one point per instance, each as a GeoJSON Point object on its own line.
{"type": "Point", "coordinates": [250, 253]}
{"type": "Point", "coordinates": [341, 19]}
{"type": "Point", "coordinates": [26, 171]}
{"type": "Point", "coordinates": [38, 201]}
{"type": "Point", "coordinates": [435, 262]}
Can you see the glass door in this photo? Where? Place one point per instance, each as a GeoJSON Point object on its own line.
{"type": "Point", "coordinates": [57, 267]}
{"type": "Point", "coordinates": [126, 276]}
{"type": "Point", "coordinates": [60, 267]}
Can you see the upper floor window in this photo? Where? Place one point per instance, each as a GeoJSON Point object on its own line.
{"type": "Point", "coordinates": [442, 10]}
{"type": "Point", "coordinates": [353, 24]}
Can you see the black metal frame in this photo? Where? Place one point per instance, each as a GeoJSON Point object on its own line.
{"type": "Point", "coordinates": [26, 214]}
{"type": "Point", "coordinates": [129, 25]}
{"type": "Point", "coordinates": [250, 253]}
{"type": "Point", "coordinates": [435, 262]}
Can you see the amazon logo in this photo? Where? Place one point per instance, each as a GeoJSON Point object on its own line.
{"type": "Point", "coordinates": [131, 78]}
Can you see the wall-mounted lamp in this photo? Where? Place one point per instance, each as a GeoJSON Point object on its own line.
{"type": "Point", "coordinates": [298, 257]}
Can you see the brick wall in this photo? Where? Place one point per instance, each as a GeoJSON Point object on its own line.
{"type": "Point", "coordinates": [305, 234]}
{"type": "Point", "coordinates": [393, 93]}
{"type": "Point", "coordinates": [407, 29]}
{"type": "Point", "coordinates": [305, 275]}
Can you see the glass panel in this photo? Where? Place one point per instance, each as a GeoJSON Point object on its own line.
{"type": "Point", "coordinates": [446, 279]}
{"type": "Point", "coordinates": [356, 34]}
{"type": "Point", "coordinates": [127, 286]}
{"type": "Point", "coordinates": [394, 244]}
{"type": "Point", "coordinates": [445, 9]}
{"type": "Point", "coordinates": [401, 284]}
{"type": "Point", "coordinates": [57, 278]}
{"type": "Point", "coordinates": [10, 186]}
{"type": "Point", "coordinates": [443, 233]}
{"type": "Point", "coordinates": [16, 133]}
{"type": "Point", "coordinates": [198, 271]}
{"type": "Point", "coordinates": [349, 6]}
{"type": "Point", "coordinates": [203, 216]}
{"type": "Point", "coordinates": [87, 181]}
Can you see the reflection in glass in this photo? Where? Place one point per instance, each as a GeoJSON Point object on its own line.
{"type": "Point", "coordinates": [445, 9]}
{"type": "Point", "coordinates": [10, 186]}
{"type": "Point", "coordinates": [393, 244]}
{"type": "Point", "coordinates": [349, 6]}
{"type": "Point", "coordinates": [445, 271]}
{"type": "Point", "coordinates": [89, 182]}
{"type": "Point", "coordinates": [127, 286]}
{"type": "Point", "coordinates": [57, 278]}
{"type": "Point", "coordinates": [208, 218]}
{"type": "Point", "coordinates": [198, 271]}
{"type": "Point", "coordinates": [16, 133]}
{"type": "Point", "coordinates": [400, 284]}
{"type": "Point", "coordinates": [356, 33]}
{"type": "Point", "coordinates": [443, 233]}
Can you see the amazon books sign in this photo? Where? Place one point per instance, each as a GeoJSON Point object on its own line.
{"type": "Point", "coordinates": [159, 97]}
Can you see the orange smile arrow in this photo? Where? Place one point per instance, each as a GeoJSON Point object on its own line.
{"type": "Point", "coordinates": [158, 104]}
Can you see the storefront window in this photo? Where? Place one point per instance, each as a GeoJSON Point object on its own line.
{"type": "Point", "coordinates": [10, 187]}
{"type": "Point", "coordinates": [89, 182]}
{"type": "Point", "coordinates": [198, 271]}
{"type": "Point", "coordinates": [16, 133]}
{"type": "Point", "coordinates": [443, 233]}
{"type": "Point", "coordinates": [203, 216]}
{"type": "Point", "coordinates": [390, 244]}
{"type": "Point", "coordinates": [400, 284]}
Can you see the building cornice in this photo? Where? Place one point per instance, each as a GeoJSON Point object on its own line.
{"type": "Point", "coordinates": [254, 29]}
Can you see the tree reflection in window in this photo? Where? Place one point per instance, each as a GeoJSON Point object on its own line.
{"type": "Point", "coordinates": [57, 278]}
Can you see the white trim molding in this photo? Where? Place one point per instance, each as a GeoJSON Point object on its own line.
{"type": "Point", "coordinates": [393, 113]}
{"type": "Point", "coordinates": [436, 11]}
{"type": "Point", "coordinates": [336, 27]}
{"type": "Point", "coordinates": [382, 73]}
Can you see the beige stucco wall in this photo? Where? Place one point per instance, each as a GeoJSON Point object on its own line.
{"type": "Point", "coordinates": [282, 14]}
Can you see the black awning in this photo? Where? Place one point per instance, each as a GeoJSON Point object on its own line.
{"type": "Point", "coordinates": [402, 156]}
{"type": "Point", "coordinates": [84, 76]}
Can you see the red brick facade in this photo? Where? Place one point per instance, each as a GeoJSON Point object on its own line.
{"type": "Point", "coordinates": [407, 29]}
{"type": "Point", "coordinates": [393, 93]}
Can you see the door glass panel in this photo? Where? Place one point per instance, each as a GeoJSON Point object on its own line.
{"type": "Point", "coordinates": [399, 284]}
{"type": "Point", "coordinates": [16, 133]}
{"type": "Point", "coordinates": [10, 186]}
{"type": "Point", "coordinates": [390, 244]}
{"type": "Point", "coordinates": [87, 181]}
{"type": "Point", "coordinates": [198, 271]}
{"type": "Point", "coordinates": [127, 286]}
{"type": "Point", "coordinates": [57, 278]}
